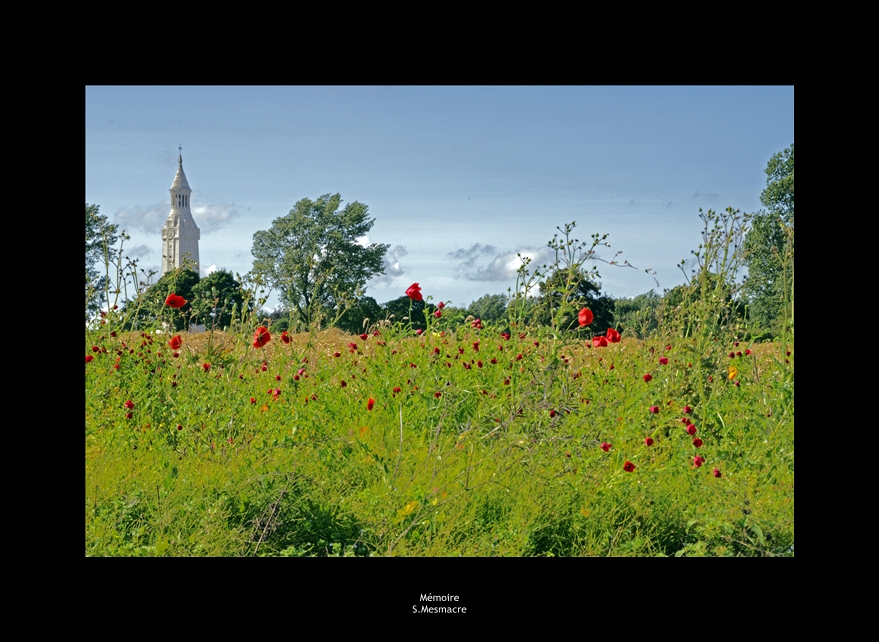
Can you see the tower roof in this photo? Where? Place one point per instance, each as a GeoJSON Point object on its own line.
{"type": "Point", "coordinates": [180, 181]}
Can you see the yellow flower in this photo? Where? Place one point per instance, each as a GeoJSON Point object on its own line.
{"type": "Point", "coordinates": [410, 507]}
{"type": "Point", "coordinates": [733, 373]}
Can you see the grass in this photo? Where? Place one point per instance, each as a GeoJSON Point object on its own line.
{"type": "Point", "coordinates": [274, 452]}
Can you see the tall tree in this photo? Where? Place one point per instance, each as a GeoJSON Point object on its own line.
{"type": "Point", "coordinates": [215, 297]}
{"type": "Point", "coordinates": [313, 258]}
{"type": "Point", "coordinates": [569, 290]}
{"type": "Point", "coordinates": [770, 248]}
{"type": "Point", "coordinates": [491, 307]}
{"type": "Point", "coordinates": [149, 308]}
{"type": "Point", "coordinates": [100, 237]}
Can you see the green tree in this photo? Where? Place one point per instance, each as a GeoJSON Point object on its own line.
{"type": "Point", "coordinates": [100, 237]}
{"type": "Point", "coordinates": [491, 307]}
{"type": "Point", "coordinates": [216, 297]}
{"type": "Point", "coordinates": [572, 289]}
{"type": "Point", "coordinates": [769, 247]}
{"type": "Point", "coordinates": [360, 315]}
{"type": "Point", "coordinates": [637, 317]}
{"type": "Point", "coordinates": [312, 257]}
{"type": "Point", "coordinates": [401, 307]}
{"type": "Point", "coordinates": [682, 307]}
{"type": "Point", "coordinates": [149, 308]}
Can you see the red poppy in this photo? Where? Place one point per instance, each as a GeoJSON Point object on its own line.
{"type": "Point", "coordinates": [605, 446]}
{"type": "Point", "coordinates": [476, 323]}
{"type": "Point", "coordinates": [285, 338]}
{"type": "Point", "coordinates": [175, 342]}
{"type": "Point", "coordinates": [648, 441]}
{"type": "Point", "coordinates": [88, 358]}
{"type": "Point", "coordinates": [613, 336]}
{"type": "Point", "coordinates": [716, 472]}
{"type": "Point", "coordinates": [654, 409]}
{"type": "Point", "coordinates": [663, 361]}
{"type": "Point", "coordinates": [438, 314]}
{"type": "Point", "coordinates": [370, 403]}
{"type": "Point", "coordinates": [414, 292]}
{"type": "Point", "coordinates": [697, 442]}
{"type": "Point", "coordinates": [648, 377]}
{"type": "Point", "coordinates": [175, 301]}
{"type": "Point", "coordinates": [364, 337]}
{"type": "Point", "coordinates": [419, 331]}
{"type": "Point", "coordinates": [129, 404]}
{"type": "Point", "coordinates": [599, 342]}
{"type": "Point", "coordinates": [437, 394]}
{"type": "Point", "coordinates": [687, 409]}
{"type": "Point", "coordinates": [585, 317]}
{"type": "Point", "coordinates": [261, 337]}
{"type": "Point", "coordinates": [691, 429]}
{"type": "Point", "coordinates": [698, 461]}
{"type": "Point", "coordinates": [628, 466]}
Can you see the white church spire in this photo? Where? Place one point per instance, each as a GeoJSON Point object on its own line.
{"type": "Point", "coordinates": [180, 235]}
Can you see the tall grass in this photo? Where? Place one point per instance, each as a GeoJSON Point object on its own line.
{"type": "Point", "coordinates": [474, 443]}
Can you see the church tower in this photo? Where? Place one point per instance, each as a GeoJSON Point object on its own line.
{"type": "Point", "coordinates": [180, 234]}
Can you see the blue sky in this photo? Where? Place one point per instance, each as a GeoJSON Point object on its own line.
{"type": "Point", "coordinates": [458, 179]}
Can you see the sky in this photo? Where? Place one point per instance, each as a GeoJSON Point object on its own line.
{"type": "Point", "coordinates": [458, 180]}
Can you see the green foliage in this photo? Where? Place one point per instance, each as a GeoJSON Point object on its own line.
{"type": "Point", "coordinates": [779, 193]}
{"type": "Point", "coordinates": [638, 316]}
{"type": "Point", "coordinates": [489, 308]}
{"type": "Point", "coordinates": [100, 238]}
{"type": "Point", "coordinates": [363, 313]}
{"type": "Point", "coordinates": [312, 257]}
{"type": "Point", "coordinates": [217, 299]}
{"type": "Point", "coordinates": [497, 460]}
{"type": "Point", "coordinates": [149, 309]}
{"type": "Point", "coordinates": [462, 441]}
{"type": "Point", "coordinates": [769, 248]}
{"type": "Point", "coordinates": [408, 312]}
{"type": "Point", "coordinates": [564, 293]}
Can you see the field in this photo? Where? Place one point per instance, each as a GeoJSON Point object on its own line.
{"type": "Point", "coordinates": [461, 441]}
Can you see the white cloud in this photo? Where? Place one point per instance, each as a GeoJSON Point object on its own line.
{"type": "Point", "coordinates": [150, 218]}
{"type": "Point", "coordinates": [392, 267]}
{"type": "Point", "coordinates": [503, 267]}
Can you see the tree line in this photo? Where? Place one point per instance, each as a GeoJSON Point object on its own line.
{"type": "Point", "coordinates": [316, 260]}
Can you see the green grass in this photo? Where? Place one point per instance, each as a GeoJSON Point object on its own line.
{"type": "Point", "coordinates": [498, 460]}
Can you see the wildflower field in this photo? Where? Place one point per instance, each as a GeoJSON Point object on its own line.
{"type": "Point", "coordinates": [465, 439]}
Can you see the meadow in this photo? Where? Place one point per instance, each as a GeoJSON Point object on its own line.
{"type": "Point", "coordinates": [468, 439]}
